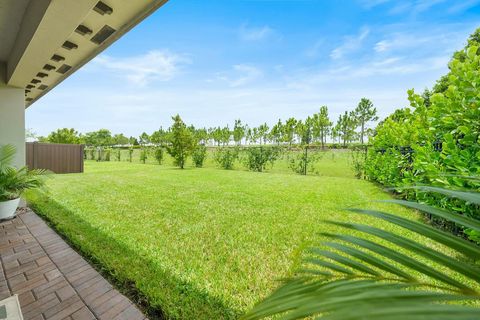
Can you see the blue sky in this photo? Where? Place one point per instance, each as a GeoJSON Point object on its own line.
{"type": "Point", "coordinates": [213, 61]}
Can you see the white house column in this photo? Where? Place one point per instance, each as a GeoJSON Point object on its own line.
{"type": "Point", "coordinates": [12, 118]}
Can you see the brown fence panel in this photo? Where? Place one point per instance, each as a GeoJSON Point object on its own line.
{"type": "Point", "coordinates": [58, 158]}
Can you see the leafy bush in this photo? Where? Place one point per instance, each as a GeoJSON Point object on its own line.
{"type": "Point", "coordinates": [257, 158]}
{"type": "Point", "coordinates": [226, 156]}
{"type": "Point", "coordinates": [118, 154]}
{"type": "Point", "coordinates": [130, 154]}
{"type": "Point", "coordinates": [354, 277]}
{"type": "Point", "coordinates": [199, 155]}
{"type": "Point", "coordinates": [159, 155]}
{"type": "Point", "coordinates": [436, 141]}
{"type": "Point", "coordinates": [303, 162]}
{"type": "Point", "coordinates": [358, 157]}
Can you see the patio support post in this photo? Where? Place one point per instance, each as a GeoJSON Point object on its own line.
{"type": "Point", "coordinates": [12, 117]}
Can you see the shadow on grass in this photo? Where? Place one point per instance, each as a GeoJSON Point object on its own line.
{"type": "Point", "coordinates": [130, 272]}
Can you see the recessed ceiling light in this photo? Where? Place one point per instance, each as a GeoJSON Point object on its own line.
{"type": "Point", "coordinates": [102, 8]}
{"type": "Point", "coordinates": [103, 34]}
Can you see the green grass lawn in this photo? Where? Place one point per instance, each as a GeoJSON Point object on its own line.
{"type": "Point", "coordinates": [202, 243]}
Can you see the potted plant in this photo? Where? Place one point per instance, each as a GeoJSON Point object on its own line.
{"type": "Point", "coordinates": [13, 182]}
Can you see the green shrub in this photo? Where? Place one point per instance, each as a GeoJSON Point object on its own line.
{"type": "Point", "coordinates": [358, 157]}
{"type": "Point", "coordinates": [199, 155]}
{"type": "Point", "coordinates": [435, 142]}
{"type": "Point", "coordinates": [118, 154]}
{"type": "Point", "coordinates": [130, 154]}
{"type": "Point", "coordinates": [258, 157]}
{"type": "Point", "coordinates": [226, 156]}
{"type": "Point", "coordinates": [159, 154]}
{"type": "Point", "coordinates": [302, 162]}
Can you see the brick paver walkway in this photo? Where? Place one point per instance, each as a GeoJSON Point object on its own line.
{"type": "Point", "coordinates": [51, 279]}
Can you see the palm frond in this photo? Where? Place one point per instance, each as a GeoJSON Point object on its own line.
{"type": "Point", "coordinates": [7, 153]}
{"type": "Point", "coordinates": [353, 276]}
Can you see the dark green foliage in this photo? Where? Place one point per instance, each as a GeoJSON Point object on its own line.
{"type": "Point", "coordinates": [65, 135]}
{"type": "Point", "coordinates": [352, 276]}
{"type": "Point", "coordinates": [159, 154]}
{"type": "Point", "coordinates": [436, 144]}
{"type": "Point", "coordinates": [102, 137]}
{"type": "Point", "coordinates": [199, 155]}
{"type": "Point", "coordinates": [118, 154]}
{"type": "Point", "coordinates": [130, 154]}
{"type": "Point", "coordinates": [257, 158]}
{"type": "Point", "coordinates": [226, 156]}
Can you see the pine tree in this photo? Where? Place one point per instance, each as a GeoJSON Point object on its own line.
{"type": "Point", "coordinates": [364, 113]}
{"type": "Point", "coordinates": [182, 142]}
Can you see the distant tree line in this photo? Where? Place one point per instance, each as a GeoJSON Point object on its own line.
{"type": "Point", "coordinates": [315, 129]}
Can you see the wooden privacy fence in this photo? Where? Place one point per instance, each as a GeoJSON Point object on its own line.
{"type": "Point", "coordinates": [58, 158]}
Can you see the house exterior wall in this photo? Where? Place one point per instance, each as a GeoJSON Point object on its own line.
{"type": "Point", "coordinates": [12, 118]}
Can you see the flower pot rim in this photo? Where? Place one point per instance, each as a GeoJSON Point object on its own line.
{"type": "Point", "coordinates": [10, 199]}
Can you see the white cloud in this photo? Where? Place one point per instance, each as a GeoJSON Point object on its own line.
{"type": "Point", "coordinates": [412, 7]}
{"type": "Point", "coordinates": [247, 33]}
{"type": "Point", "coordinates": [350, 44]}
{"type": "Point", "coordinates": [241, 75]}
{"type": "Point", "coordinates": [463, 5]}
{"type": "Point", "coordinates": [412, 42]}
{"type": "Point", "coordinates": [156, 65]}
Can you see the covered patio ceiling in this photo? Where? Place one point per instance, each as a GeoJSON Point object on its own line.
{"type": "Point", "coordinates": [42, 42]}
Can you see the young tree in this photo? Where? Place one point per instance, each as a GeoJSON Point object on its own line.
{"type": "Point", "coordinates": [364, 113]}
{"type": "Point", "coordinates": [201, 135]}
{"type": "Point", "coordinates": [238, 132]}
{"type": "Point", "coordinates": [181, 142]}
{"type": "Point", "coordinates": [345, 127]}
{"type": "Point", "coordinates": [276, 134]}
{"type": "Point", "coordinates": [321, 125]}
{"type": "Point", "coordinates": [289, 130]}
{"type": "Point", "coordinates": [304, 132]}
{"type": "Point", "coordinates": [65, 135]}
{"type": "Point", "coordinates": [159, 137]}
{"type": "Point", "coordinates": [225, 135]}
{"type": "Point", "coordinates": [263, 133]}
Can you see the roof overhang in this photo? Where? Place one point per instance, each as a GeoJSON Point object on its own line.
{"type": "Point", "coordinates": [45, 41]}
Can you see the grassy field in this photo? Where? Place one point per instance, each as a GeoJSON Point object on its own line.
{"type": "Point", "coordinates": [202, 243]}
{"type": "Point", "coordinates": [328, 163]}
